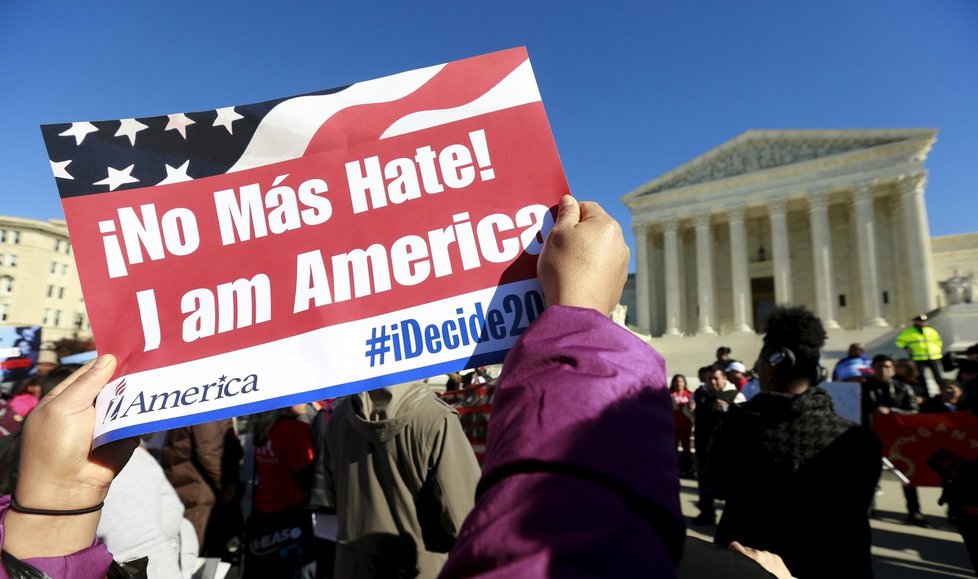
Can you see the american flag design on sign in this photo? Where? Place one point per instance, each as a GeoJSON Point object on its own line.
{"type": "Point", "coordinates": [100, 156]}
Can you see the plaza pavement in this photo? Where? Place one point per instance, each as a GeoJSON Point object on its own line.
{"type": "Point", "coordinates": [900, 550]}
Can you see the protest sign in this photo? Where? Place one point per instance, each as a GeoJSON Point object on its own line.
{"type": "Point", "coordinates": [251, 257]}
{"type": "Point", "coordinates": [846, 398]}
{"type": "Point", "coordinates": [917, 443]}
{"type": "Point", "coordinates": [19, 348]}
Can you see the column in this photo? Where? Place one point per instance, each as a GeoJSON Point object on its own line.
{"type": "Point", "coordinates": [670, 248]}
{"type": "Point", "coordinates": [704, 275]}
{"type": "Point", "coordinates": [865, 221]}
{"type": "Point", "coordinates": [643, 300]}
{"type": "Point", "coordinates": [739, 268]}
{"type": "Point", "coordinates": [920, 267]}
{"type": "Point", "coordinates": [901, 294]}
{"type": "Point", "coordinates": [818, 207]}
{"type": "Point", "coordinates": [780, 250]}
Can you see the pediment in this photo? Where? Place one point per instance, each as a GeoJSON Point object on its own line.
{"type": "Point", "coordinates": [757, 151]}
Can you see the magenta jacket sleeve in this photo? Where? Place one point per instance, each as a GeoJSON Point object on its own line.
{"type": "Point", "coordinates": [580, 476]}
{"type": "Point", "coordinates": [90, 563]}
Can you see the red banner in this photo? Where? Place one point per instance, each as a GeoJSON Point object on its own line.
{"type": "Point", "coordinates": [914, 442]}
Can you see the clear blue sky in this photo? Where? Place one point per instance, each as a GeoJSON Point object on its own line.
{"type": "Point", "coordinates": [632, 89]}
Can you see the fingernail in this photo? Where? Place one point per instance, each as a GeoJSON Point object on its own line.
{"type": "Point", "coordinates": [103, 362]}
{"type": "Point", "coordinates": [566, 201]}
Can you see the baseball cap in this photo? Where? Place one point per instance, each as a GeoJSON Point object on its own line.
{"type": "Point", "coordinates": [736, 367]}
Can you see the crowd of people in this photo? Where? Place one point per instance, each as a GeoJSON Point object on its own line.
{"type": "Point", "coordinates": [581, 475]}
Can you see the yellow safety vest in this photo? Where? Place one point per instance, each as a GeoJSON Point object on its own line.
{"type": "Point", "coordinates": [924, 344]}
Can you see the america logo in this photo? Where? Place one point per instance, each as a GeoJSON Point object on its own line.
{"type": "Point", "coordinates": [223, 387]}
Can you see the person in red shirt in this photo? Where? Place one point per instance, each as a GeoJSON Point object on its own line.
{"type": "Point", "coordinates": [682, 409]}
{"type": "Point", "coordinates": [280, 534]}
{"type": "Point", "coordinates": [737, 374]}
{"type": "Point", "coordinates": [283, 457]}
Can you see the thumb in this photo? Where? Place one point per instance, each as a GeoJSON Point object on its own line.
{"type": "Point", "coordinates": [737, 547]}
{"type": "Point", "coordinates": [82, 392]}
{"type": "Point", "coordinates": [569, 212]}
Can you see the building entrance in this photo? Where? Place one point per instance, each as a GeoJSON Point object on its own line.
{"type": "Point", "coordinates": [762, 296]}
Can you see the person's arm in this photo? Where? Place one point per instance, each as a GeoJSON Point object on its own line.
{"type": "Point", "coordinates": [771, 562]}
{"type": "Point", "coordinates": [60, 471]}
{"type": "Point", "coordinates": [908, 402]}
{"type": "Point", "coordinates": [209, 450]}
{"type": "Point", "coordinates": [298, 452]}
{"type": "Point", "coordinates": [451, 479]}
{"type": "Point", "coordinates": [835, 371]}
{"type": "Point", "coordinates": [328, 480]}
{"type": "Point", "coordinates": [580, 457]}
{"type": "Point", "coordinates": [902, 340]}
{"type": "Point", "coordinates": [317, 492]}
{"type": "Point", "coordinates": [189, 548]}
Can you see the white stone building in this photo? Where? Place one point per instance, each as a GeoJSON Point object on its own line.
{"type": "Point", "coordinates": [831, 219]}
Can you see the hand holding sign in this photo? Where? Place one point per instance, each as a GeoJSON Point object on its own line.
{"type": "Point", "coordinates": [59, 471]}
{"type": "Point", "coordinates": [585, 260]}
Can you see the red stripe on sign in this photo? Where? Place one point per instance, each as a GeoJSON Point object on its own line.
{"type": "Point", "coordinates": [458, 83]}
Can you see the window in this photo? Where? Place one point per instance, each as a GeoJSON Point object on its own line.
{"type": "Point", "coordinates": [3, 235]}
{"type": "Point", "coordinates": [3, 312]}
{"type": "Point", "coordinates": [50, 291]}
{"type": "Point", "coordinates": [57, 245]}
{"type": "Point", "coordinates": [62, 246]}
{"type": "Point", "coordinates": [51, 317]}
{"type": "Point", "coordinates": [61, 293]}
{"type": "Point", "coordinates": [2, 259]}
{"type": "Point", "coordinates": [79, 322]}
{"type": "Point", "coordinates": [15, 237]}
{"type": "Point", "coordinates": [6, 284]}
{"type": "Point", "coordinates": [12, 260]}
{"type": "Point", "coordinates": [64, 269]}
{"type": "Point", "coordinates": [54, 267]}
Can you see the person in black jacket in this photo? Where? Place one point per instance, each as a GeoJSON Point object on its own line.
{"type": "Point", "coordinates": [949, 400]}
{"type": "Point", "coordinates": [887, 395]}
{"type": "Point", "coordinates": [715, 397]}
{"type": "Point", "coordinates": [883, 394]}
{"type": "Point", "coordinates": [798, 478]}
